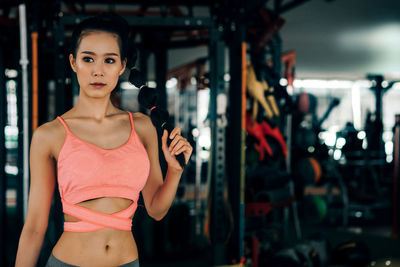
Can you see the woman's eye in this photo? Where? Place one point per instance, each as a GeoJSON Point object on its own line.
{"type": "Point", "coordinates": [88, 59]}
{"type": "Point", "coordinates": [109, 60]}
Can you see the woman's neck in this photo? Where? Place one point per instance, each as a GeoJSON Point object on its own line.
{"type": "Point", "coordinates": [97, 108]}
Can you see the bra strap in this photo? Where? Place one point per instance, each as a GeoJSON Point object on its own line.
{"type": "Point", "coordinates": [64, 124]}
{"type": "Point", "coordinates": [131, 120]}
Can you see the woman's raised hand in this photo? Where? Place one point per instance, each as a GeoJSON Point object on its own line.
{"type": "Point", "coordinates": [178, 145]}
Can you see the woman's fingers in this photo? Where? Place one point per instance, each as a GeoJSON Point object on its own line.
{"type": "Point", "coordinates": [175, 141]}
{"type": "Point", "coordinates": [179, 144]}
{"type": "Point", "coordinates": [164, 138]}
{"type": "Point", "coordinates": [174, 132]}
{"type": "Point", "coordinates": [183, 148]}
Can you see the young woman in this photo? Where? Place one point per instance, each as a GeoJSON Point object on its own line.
{"type": "Point", "coordinates": [102, 157]}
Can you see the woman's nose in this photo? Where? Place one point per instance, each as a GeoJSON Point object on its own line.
{"type": "Point", "coordinates": [98, 69]}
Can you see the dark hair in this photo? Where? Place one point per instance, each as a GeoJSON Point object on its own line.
{"type": "Point", "coordinates": [105, 22]}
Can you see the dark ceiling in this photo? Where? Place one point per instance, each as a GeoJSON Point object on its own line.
{"type": "Point", "coordinates": [333, 39]}
{"type": "Point", "coordinates": [344, 38]}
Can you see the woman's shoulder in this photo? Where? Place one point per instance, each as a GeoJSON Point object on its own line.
{"type": "Point", "coordinates": [48, 134]}
{"type": "Point", "coordinates": [49, 129]}
{"type": "Point", "coordinates": [141, 120]}
{"type": "Point", "coordinates": [143, 126]}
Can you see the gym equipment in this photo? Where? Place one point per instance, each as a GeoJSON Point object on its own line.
{"type": "Point", "coordinates": [374, 128]}
{"type": "Point", "coordinates": [315, 208]}
{"type": "Point", "coordinates": [276, 134]}
{"type": "Point", "coordinates": [308, 126]}
{"type": "Point", "coordinates": [286, 258]}
{"type": "Point", "coordinates": [260, 179]}
{"type": "Point", "coordinates": [306, 103]}
{"type": "Point", "coordinates": [256, 90]}
{"type": "Point", "coordinates": [266, 137]}
{"type": "Point", "coordinates": [307, 254]}
{"type": "Point", "coordinates": [315, 171]}
{"type": "Point", "coordinates": [321, 205]}
{"type": "Point", "coordinates": [307, 171]}
{"type": "Point", "coordinates": [322, 247]}
{"type": "Point", "coordinates": [271, 99]}
{"type": "Point", "coordinates": [352, 253]}
{"type": "Point", "coordinates": [301, 255]}
{"type": "Point", "coordinates": [364, 168]}
{"type": "Point", "coordinates": [312, 252]}
{"type": "Point", "coordinates": [256, 130]}
{"type": "Point", "coordinates": [268, 188]}
{"type": "Point", "coordinates": [353, 146]}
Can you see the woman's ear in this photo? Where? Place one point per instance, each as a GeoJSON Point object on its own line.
{"type": "Point", "coordinates": [72, 62]}
{"type": "Point", "coordinates": [123, 67]}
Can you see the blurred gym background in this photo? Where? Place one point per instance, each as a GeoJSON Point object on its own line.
{"type": "Point", "coordinates": [292, 107]}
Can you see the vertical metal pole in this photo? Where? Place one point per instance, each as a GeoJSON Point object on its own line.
{"type": "Point", "coordinates": [177, 102]}
{"type": "Point", "coordinates": [218, 124]}
{"type": "Point", "coordinates": [59, 67]}
{"type": "Point", "coordinates": [143, 66]}
{"type": "Point", "coordinates": [60, 107]}
{"type": "Point", "coordinates": [161, 79]}
{"type": "Point", "coordinates": [3, 177]}
{"type": "Point", "coordinates": [276, 44]}
{"type": "Point", "coordinates": [161, 76]}
{"type": "Point", "coordinates": [199, 162]}
{"type": "Point", "coordinates": [236, 136]}
{"type": "Point", "coordinates": [25, 105]}
{"type": "Point", "coordinates": [396, 178]}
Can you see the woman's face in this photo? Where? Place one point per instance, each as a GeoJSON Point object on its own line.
{"type": "Point", "coordinates": [98, 64]}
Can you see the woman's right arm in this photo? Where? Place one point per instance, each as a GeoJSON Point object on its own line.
{"type": "Point", "coordinates": [42, 184]}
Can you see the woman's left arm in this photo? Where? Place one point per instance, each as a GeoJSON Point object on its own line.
{"type": "Point", "coordinates": [158, 194]}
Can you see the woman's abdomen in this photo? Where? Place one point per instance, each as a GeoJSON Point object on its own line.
{"type": "Point", "coordinates": [105, 247]}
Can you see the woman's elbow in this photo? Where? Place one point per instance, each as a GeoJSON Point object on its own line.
{"type": "Point", "coordinates": [157, 216]}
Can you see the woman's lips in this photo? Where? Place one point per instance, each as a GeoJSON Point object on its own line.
{"type": "Point", "coordinates": [97, 85]}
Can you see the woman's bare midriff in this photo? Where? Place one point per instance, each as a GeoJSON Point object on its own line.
{"type": "Point", "coordinates": [106, 247]}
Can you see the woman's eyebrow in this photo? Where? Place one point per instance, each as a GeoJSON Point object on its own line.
{"type": "Point", "coordinates": [93, 53]}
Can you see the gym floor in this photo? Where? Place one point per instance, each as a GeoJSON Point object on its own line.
{"type": "Point", "coordinates": [378, 239]}
{"type": "Point", "coordinates": [385, 250]}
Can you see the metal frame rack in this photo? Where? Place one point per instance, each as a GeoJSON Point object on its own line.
{"type": "Point", "coordinates": [218, 120]}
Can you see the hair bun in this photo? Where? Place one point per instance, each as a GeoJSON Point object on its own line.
{"type": "Point", "coordinates": [147, 97]}
{"type": "Point", "coordinates": [136, 78]}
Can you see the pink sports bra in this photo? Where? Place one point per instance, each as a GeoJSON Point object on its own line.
{"type": "Point", "coordinates": [86, 171]}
